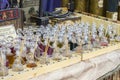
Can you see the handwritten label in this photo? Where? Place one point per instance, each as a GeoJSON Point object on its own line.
{"type": "Point", "coordinates": [8, 30]}
{"type": "Point", "coordinates": [115, 16]}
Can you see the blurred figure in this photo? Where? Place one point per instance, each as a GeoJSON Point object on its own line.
{"type": "Point", "coordinates": [4, 4]}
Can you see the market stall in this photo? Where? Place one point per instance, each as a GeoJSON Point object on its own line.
{"type": "Point", "coordinates": [70, 47]}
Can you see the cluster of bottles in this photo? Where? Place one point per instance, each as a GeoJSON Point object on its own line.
{"type": "Point", "coordinates": [52, 42]}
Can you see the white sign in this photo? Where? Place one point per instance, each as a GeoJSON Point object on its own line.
{"type": "Point", "coordinates": [115, 16]}
{"type": "Point", "coordinates": [8, 30]}
{"type": "Point", "coordinates": [100, 3]}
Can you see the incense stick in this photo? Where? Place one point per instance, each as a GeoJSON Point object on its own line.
{"type": "Point", "coordinates": [66, 43]}
{"type": "Point", "coordinates": [21, 49]}
{"type": "Point", "coordinates": [55, 43]}
{"type": "Point", "coordinates": [2, 62]}
{"type": "Point", "coordinates": [36, 44]}
{"type": "Point", "coordinates": [46, 48]}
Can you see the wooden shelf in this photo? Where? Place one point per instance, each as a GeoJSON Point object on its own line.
{"type": "Point", "coordinates": [102, 51]}
{"type": "Point", "coordinates": [42, 69]}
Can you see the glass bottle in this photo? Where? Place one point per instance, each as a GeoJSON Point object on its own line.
{"type": "Point", "coordinates": [56, 53]}
{"type": "Point", "coordinates": [67, 48]}
{"type": "Point", "coordinates": [17, 65]}
{"type": "Point", "coordinates": [79, 48]}
{"type": "Point", "coordinates": [11, 52]}
{"type": "Point", "coordinates": [30, 59]}
{"type": "Point", "coordinates": [3, 68]}
{"type": "Point", "coordinates": [104, 41]}
{"type": "Point", "coordinates": [44, 59]}
{"type": "Point", "coordinates": [60, 45]}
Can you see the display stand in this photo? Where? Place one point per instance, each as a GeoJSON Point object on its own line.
{"type": "Point", "coordinates": [29, 73]}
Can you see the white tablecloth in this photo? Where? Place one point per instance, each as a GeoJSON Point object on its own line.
{"type": "Point", "coordinates": [86, 70]}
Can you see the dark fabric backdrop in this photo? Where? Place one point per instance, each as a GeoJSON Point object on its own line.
{"type": "Point", "coordinates": [50, 5]}
{"type": "Point", "coordinates": [112, 5]}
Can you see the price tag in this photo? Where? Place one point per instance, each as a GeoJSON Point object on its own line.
{"type": "Point", "coordinates": [115, 16]}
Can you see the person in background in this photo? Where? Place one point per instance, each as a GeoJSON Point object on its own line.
{"type": "Point", "coordinates": [13, 3]}
{"type": "Point", "coordinates": [4, 4]}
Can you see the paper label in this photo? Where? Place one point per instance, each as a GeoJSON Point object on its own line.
{"type": "Point", "coordinates": [100, 3]}
{"type": "Point", "coordinates": [115, 16]}
{"type": "Point", "coordinates": [8, 30]}
{"type": "Point", "coordinates": [119, 3]}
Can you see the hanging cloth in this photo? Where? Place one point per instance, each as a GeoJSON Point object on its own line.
{"type": "Point", "coordinates": [50, 5]}
{"type": "Point", "coordinates": [57, 3]}
{"type": "Point", "coordinates": [44, 5]}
